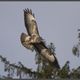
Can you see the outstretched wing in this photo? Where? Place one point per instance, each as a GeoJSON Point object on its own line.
{"type": "Point", "coordinates": [30, 22]}
{"type": "Point", "coordinates": [25, 41]}
{"type": "Point", "coordinates": [47, 54]}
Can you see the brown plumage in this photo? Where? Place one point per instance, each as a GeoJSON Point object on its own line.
{"type": "Point", "coordinates": [30, 22]}
{"type": "Point", "coordinates": [33, 39]}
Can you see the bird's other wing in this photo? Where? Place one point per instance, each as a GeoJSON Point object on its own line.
{"type": "Point", "coordinates": [30, 22]}
{"type": "Point", "coordinates": [25, 41]}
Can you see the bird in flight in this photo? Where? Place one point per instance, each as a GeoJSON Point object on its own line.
{"type": "Point", "coordinates": [33, 41]}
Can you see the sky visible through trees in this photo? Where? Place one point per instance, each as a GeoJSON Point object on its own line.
{"type": "Point", "coordinates": [57, 21]}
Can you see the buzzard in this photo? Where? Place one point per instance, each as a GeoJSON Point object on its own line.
{"type": "Point", "coordinates": [32, 39]}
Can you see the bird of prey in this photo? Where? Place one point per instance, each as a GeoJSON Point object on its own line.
{"type": "Point", "coordinates": [32, 39]}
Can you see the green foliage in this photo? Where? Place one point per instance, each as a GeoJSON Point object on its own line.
{"type": "Point", "coordinates": [19, 69]}
{"type": "Point", "coordinates": [44, 69]}
{"type": "Point", "coordinates": [75, 51]}
{"type": "Point", "coordinates": [75, 73]}
{"type": "Point", "coordinates": [64, 72]}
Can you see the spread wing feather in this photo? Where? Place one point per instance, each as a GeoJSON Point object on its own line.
{"type": "Point", "coordinates": [30, 41]}
{"type": "Point", "coordinates": [30, 22]}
